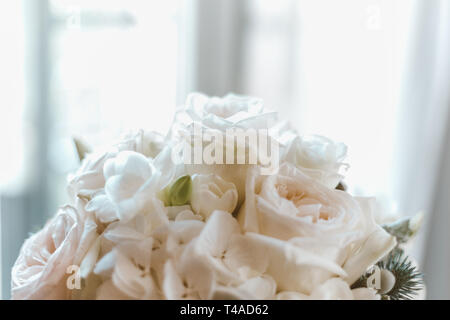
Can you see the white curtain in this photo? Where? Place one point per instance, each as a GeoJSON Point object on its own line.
{"type": "Point", "coordinates": [371, 73]}
{"type": "Point", "coordinates": [426, 176]}
{"type": "Point", "coordinates": [384, 89]}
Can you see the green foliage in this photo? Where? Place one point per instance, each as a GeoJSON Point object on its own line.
{"type": "Point", "coordinates": [179, 192]}
{"type": "Point", "coordinates": [408, 280]}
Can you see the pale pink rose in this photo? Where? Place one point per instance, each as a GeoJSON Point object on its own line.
{"type": "Point", "coordinates": [310, 230]}
{"type": "Point", "coordinates": [41, 270]}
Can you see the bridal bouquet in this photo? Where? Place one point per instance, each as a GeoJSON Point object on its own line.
{"type": "Point", "coordinates": [230, 204]}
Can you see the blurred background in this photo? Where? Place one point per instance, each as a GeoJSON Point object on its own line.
{"type": "Point", "coordinates": [374, 74]}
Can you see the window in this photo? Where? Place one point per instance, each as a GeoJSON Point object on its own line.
{"type": "Point", "coordinates": [370, 73]}
{"type": "Point", "coordinates": [94, 69]}
{"type": "Point", "coordinates": [112, 68]}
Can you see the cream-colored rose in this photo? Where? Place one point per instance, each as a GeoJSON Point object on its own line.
{"type": "Point", "coordinates": [41, 270]}
{"type": "Point", "coordinates": [318, 157]}
{"type": "Point", "coordinates": [210, 193]}
{"type": "Point", "coordinates": [310, 230]}
{"type": "Point", "coordinates": [213, 121]}
{"type": "Point", "coordinates": [229, 111]}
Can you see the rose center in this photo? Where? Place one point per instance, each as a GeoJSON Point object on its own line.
{"type": "Point", "coordinates": [300, 198]}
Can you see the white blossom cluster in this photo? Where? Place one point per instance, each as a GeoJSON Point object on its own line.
{"type": "Point", "coordinates": [142, 227]}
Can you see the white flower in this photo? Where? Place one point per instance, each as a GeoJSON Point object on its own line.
{"type": "Point", "coordinates": [132, 181]}
{"type": "Point", "coordinates": [311, 230]}
{"type": "Point", "coordinates": [89, 177]}
{"type": "Point", "coordinates": [170, 242]}
{"type": "Point", "coordinates": [145, 227]}
{"type": "Point", "coordinates": [233, 256]}
{"type": "Point", "coordinates": [311, 265]}
{"type": "Point", "coordinates": [231, 111]}
{"type": "Point", "coordinates": [232, 173]}
{"type": "Point", "coordinates": [184, 212]}
{"type": "Point", "coordinates": [128, 267]}
{"type": "Point", "coordinates": [188, 278]}
{"type": "Point", "coordinates": [256, 288]}
{"type": "Point", "coordinates": [318, 157]}
{"type": "Point", "coordinates": [210, 193]}
{"type": "Point", "coordinates": [141, 226]}
{"type": "Point", "coordinates": [332, 289]}
{"type": "Point", "coordinates": [174, 236]}
{"type": "Point", "coordinates": [218, 264]}
{"type": "Point", "coordinates": [126, 176]}
{"type": "Point", "coordinates": [218, 119]}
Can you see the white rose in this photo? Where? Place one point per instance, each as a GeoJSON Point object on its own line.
{"type": "Point", "coordinates": [210, 121]}
{"type": "Point", "coordinates": [310, 230]}
{"type": "Point", "coordinates": [40, 271]}
{"type": "Point", "coordinates": [211, 192]}
{"type": "Point", "coordinates": [318, 157]}
{"type": "Point", "coordinates": [230, 111]}
{"type": "Point", "coordinates": [232, 173]}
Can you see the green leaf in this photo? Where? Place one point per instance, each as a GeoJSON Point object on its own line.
{"type": "Point", "coordinates": [179, 192]}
